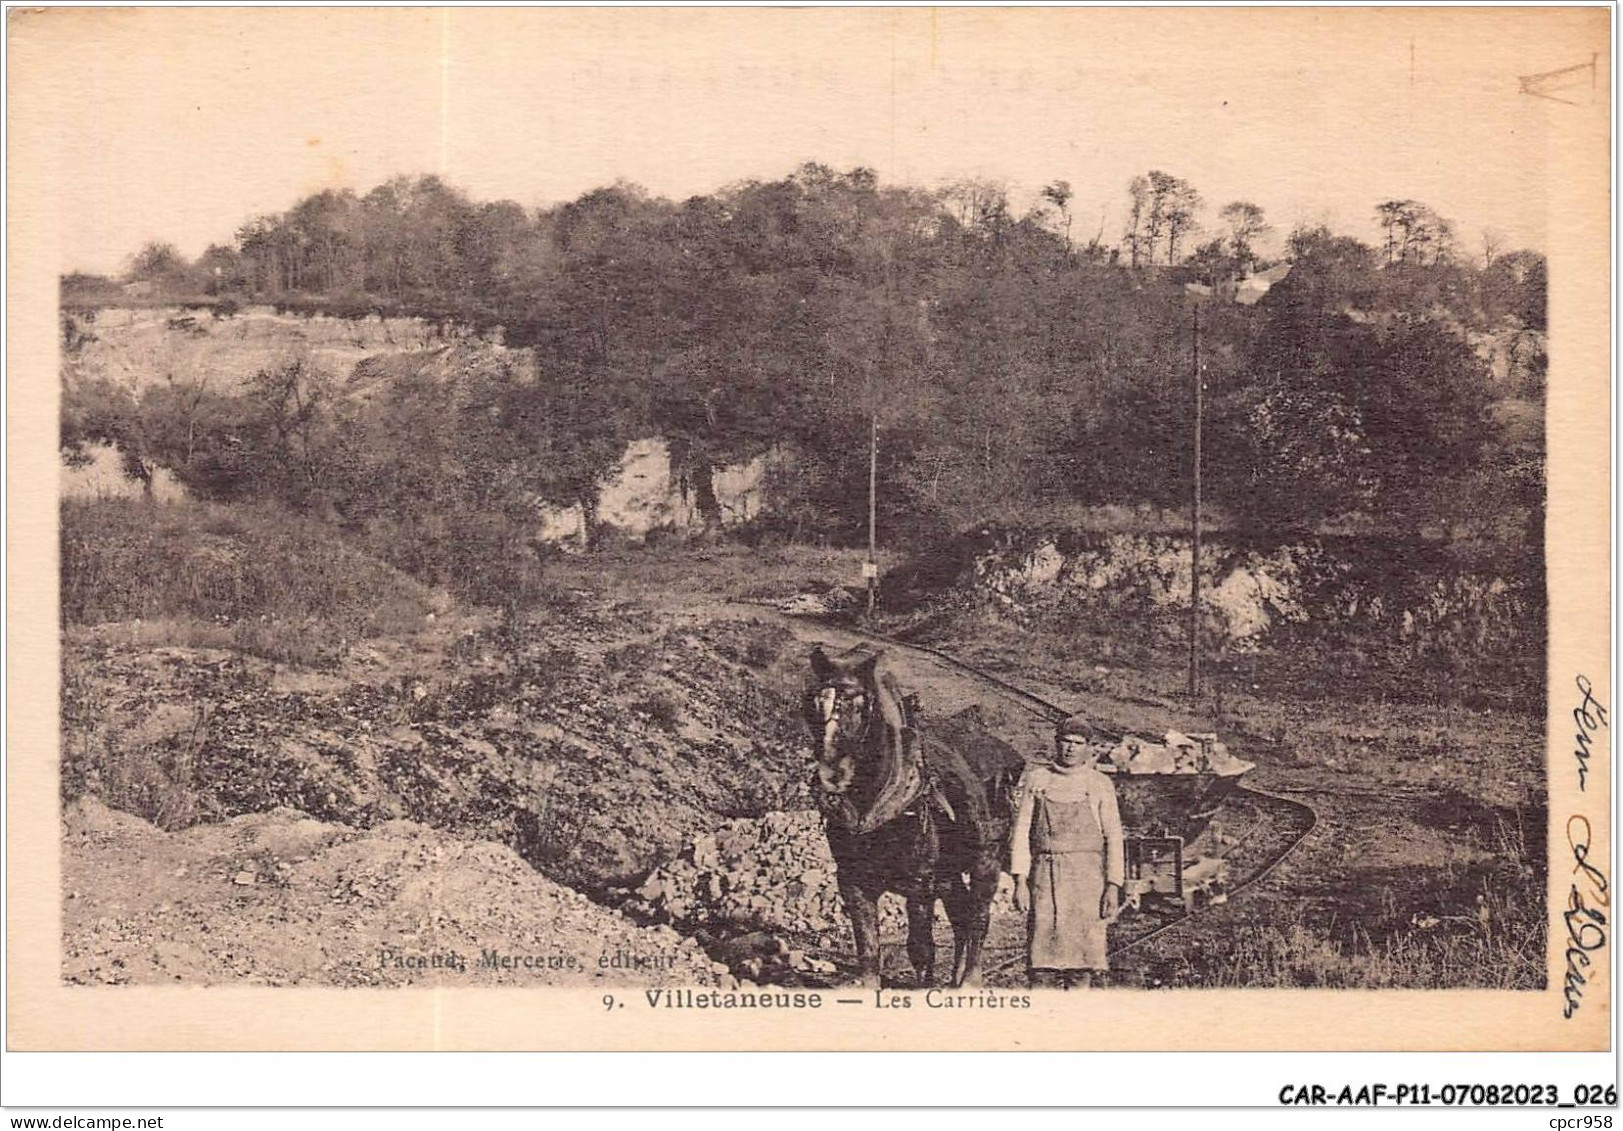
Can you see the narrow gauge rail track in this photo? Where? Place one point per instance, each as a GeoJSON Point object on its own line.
{"type": "Point", "coordinates": [1282, 825]}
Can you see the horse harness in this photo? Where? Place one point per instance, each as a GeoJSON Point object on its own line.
{"type": "Point", "coordinates": [930, 786]}
{"type": "Point", "coordinates": [930, 792]}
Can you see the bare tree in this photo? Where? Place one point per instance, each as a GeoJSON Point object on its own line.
{"type": "Point", "coordinates": [1443, 241]}
{"type": "Point", "coordinates": [981, 206]}
{"type": "Point", "coordinates": [1395, 218]}
{"type": "Point", "coordinates": [1059, 195]}
{"type": "Point", "coordinates": [1246, 223]}
{"type": "Point", "coordinates": [1414, 233]}
{"type": "Point", "coordinates": [1173, 204]}
{"type": "Point", "coordinates": [1136, 238]}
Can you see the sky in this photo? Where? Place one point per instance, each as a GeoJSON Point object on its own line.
{"type": "Point", "coordinates": [179, 124]}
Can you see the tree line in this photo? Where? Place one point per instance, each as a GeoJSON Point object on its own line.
{"type": "Point", "coordinates": [1010, 365]}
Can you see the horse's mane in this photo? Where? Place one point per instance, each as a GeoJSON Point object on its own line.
{"type": "Point", "coordinates": [893, 746]}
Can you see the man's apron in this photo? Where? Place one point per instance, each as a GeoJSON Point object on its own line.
{"type": "Point", "coordinates": [1067, 881]}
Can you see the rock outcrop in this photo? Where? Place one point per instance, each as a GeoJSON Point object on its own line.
{"type": "Point", "coordinates": [1249, 593]}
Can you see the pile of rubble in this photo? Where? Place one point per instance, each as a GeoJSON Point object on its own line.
{"type": "Point", "coordinates": [1175, 754]}
{"type": "Point", "coordinates": [281, 899]}
{"type": "Point", "coordinates": [772, 873]}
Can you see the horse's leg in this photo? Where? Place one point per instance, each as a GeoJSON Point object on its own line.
{"type": "Point", "coordinates": [956, 898]}
{"type": "Point", "coordinates": [863, 908]}
{"type": "Point", "coordinates": [921, 935]}
{"type": "Point", "coordinates": [982, 890]}
{"type": "Point", "coordinates": [955, 894]}
{"type": "Point", "coordinates": [971, 920]}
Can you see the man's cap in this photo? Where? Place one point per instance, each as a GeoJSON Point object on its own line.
{"type": "Point", "coordinates": [1077, 726]}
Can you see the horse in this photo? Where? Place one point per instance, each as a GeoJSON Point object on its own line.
{"type": "Point", "coordinates": [906, 812]}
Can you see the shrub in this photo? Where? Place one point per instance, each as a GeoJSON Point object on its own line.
{"type": "Point", "coordinates": [662, 707]}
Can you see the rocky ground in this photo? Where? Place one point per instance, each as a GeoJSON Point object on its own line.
{"type": "Point", "coordinates": [281, 899]}
{"type": "Point", "coordinates": [402, 796]}
{"type": "Point", "coordinates": [632, 772]}
{"type": "Point", "coordinates": [318, 816]}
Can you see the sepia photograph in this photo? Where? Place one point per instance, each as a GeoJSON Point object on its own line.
{"type": "Point", "coordinates": [811, 528]}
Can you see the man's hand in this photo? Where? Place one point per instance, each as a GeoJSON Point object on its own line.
{"type": "Point", "coordinates": [1110, 902]}
{"type": "Point", "coordinates": [1021, 902]}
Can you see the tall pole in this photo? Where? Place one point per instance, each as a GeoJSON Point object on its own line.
{"type": "Point", "coordinates": [1194, 523]}
{"type": "Point", "coordinates": [872, 569]}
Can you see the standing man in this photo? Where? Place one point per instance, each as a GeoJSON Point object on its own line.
{"type": "Point", "coordinates": [1067, 843]}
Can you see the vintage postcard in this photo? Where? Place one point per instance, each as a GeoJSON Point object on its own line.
{"type": "Point", "coordinates": [809, 529]}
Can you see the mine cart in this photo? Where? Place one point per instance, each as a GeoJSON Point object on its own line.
{"type": "Point", "coordinates": [1168, 795]}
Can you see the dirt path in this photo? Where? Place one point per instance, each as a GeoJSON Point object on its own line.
{"type": "Point", "coordinates": [943, 688]}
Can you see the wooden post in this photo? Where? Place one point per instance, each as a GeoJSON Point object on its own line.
{"type": "Point", "coordinates": [1194, 523]}
{"type": "Point", "coordinates": [873, 486]}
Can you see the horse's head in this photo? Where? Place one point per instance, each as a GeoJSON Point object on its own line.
{"type": "Point", "coordinates": [840, 709]}
{"type": "Point", "coordinates": [855, 710]}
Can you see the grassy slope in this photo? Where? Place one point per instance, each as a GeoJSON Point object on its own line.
{"type": "Point", "coordinates": [257, 580]}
